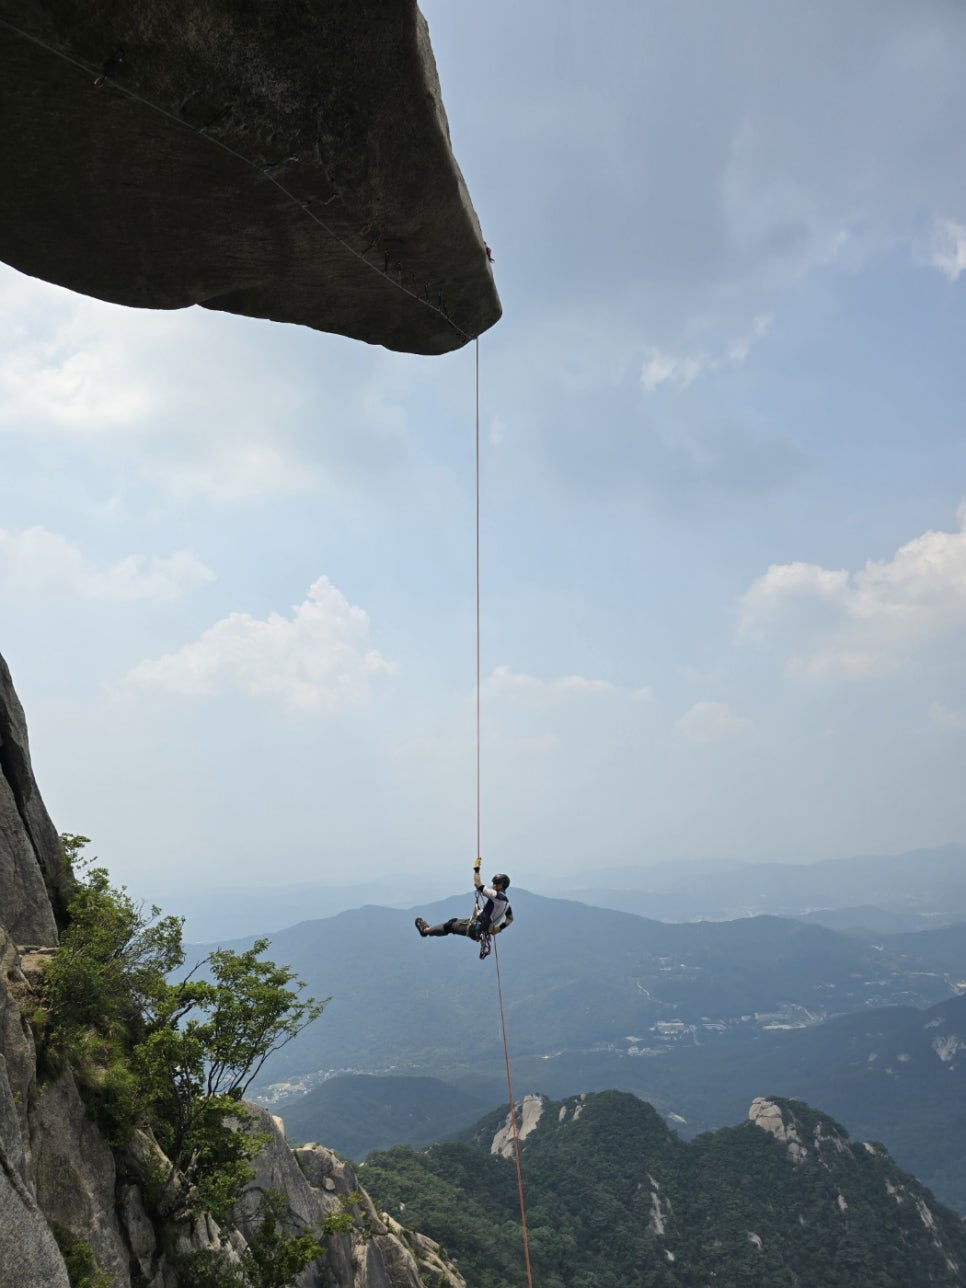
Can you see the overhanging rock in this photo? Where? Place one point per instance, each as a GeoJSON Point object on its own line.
{"type": "Point", "coordinates": [286, 160]}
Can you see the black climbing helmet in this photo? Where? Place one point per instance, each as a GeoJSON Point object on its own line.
{"type": "Point", "coordinates": [501, 879]}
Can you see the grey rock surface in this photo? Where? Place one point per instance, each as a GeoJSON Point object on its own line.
{"type": "Point", "coordinates": [17, 1061]}
{"type": "Point", "coordinates": [288, 161]}
{"type": "Point", "coordinates": [33, 881]}
{"type": "Point", "coordinates": [317, 1184]}
{"type": "Point", "coordinates": [76, 1176]}
{"type": "Point", "coordinates": [29, 1256]}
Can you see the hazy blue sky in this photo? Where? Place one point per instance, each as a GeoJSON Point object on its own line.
{"type": "Point", "coordinates": [724, 478]}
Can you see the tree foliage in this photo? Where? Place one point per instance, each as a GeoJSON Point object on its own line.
{"type": "Point", "coordinates": [616, 1200]}
{"type": "Point", "coordinates": [113, 959]}
{"type": "Point", "coordinates": [174, 1058]}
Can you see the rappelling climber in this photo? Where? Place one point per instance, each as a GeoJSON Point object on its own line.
{"type": "Point", "coordinates": [493, 912]}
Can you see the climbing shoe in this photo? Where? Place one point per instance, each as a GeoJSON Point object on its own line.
{"type": "Point", "coordinates": [422, 927]}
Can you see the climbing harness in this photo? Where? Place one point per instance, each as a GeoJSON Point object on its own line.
{"type": "Point", "coordinates": [484, 938]}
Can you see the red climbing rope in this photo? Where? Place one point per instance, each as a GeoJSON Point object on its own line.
{"type": "Point", "coordinates": [496, 955]}
{"type": "Point", "coordinates": [513, 1123]}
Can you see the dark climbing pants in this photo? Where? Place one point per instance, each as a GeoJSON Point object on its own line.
{"type": "Point", "coordinates": [457, 926]}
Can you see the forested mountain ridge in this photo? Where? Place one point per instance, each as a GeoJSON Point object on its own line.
{"type": "Point", "coordinates": [616, 1200]}
{"type": "Point", "coordinates": [893, 1074]}
{"type": "Point", "coordinates": [358, 1113]}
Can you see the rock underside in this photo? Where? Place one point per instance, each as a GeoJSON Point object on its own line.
{"type": "Point", "coordinates": [288, 161]}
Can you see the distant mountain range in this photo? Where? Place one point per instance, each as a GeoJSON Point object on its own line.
{"type": "Point", "coordinates": [615, 1200]}
{"type": "Point", "coordinates": [577, 980]}
{"type": "Point", "coordinates": [231, 912]}
{"type": "Point", "coordinates": [356, 1113]}
{"type": "Point", "coordinates": [907, 891]}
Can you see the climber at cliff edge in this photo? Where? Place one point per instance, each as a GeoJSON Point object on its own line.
{"type": "Point", "coordinates": [494, 915]}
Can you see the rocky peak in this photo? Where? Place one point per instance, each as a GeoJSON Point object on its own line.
{"type": "Point", "coordinates": [528, 1111]}
{"type": "Point", "coordinates": [778, 1118]}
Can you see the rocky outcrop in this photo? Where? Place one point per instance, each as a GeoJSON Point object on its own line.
{"type": "Point", "coordinates": [33, 878]}
{"type": "Point", "coordinates": [767, 1115]}
{"type": "Point", "coordinates": [527, 1114]}
{"type": "Point", "coordinates": [798, 1136]}
{"type": "Point", "coordinates": [287, 161]}
{"type": "Point", "coordinates": [28, 1251]}
{"type": "Point", "coordinates": [317, 1184]}
{"type": "Point", "coordinates": [76, 1176]}
{"type": "Point", "coordinates": [64, 1188]}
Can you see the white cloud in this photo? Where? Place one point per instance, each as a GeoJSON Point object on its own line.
{"type": "Point", "coordinates": [81, 391]}
{"type": "Point", "coordinates": [949, 248]}
{"type": "Point", "coordinates": [710, 722]}
{"type": "Point", "coordinates": [788, 595]}
{"type": "Point", "coordinates": [854, 664]}
{"type": "Point", "coordinates": [502, 682]}
{"type": "Point", "coordinates": [949, 718]}
{"type": "Point", "coordinates": [661, 367]}
{"type": "Point", "coordinates": [317, 660]}
{"type": "Point", "coordinates": [65, 361]}
{"type": "Point", "coordinates": [193, 403]}
{"type": "Point", "coordinates": [740, 349]}
{"type": "Point", "coordinates": [39, 561]}
{"type": "Point", "coordinates": [864, 623]}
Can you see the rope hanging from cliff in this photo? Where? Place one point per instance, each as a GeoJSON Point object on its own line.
{"type": "Point", "coordinates": [104, 76]}
{"type": "Point", "coordinates": [513, 1124]}
{"type": "Point", "coordinates": [476, 349]}
{"type": "Point", "coordinates": [479, 814]}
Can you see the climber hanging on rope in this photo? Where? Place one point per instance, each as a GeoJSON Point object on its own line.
{"type": "Point", "coordinates": [492, 914]}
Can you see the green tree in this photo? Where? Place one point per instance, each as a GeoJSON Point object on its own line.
{"type": "Point", "coordinates": [175, 1058]}
{"type": "Point", "coordinates": [114, 956]}
{"type": "Point", "coordinates": [206, 1039]}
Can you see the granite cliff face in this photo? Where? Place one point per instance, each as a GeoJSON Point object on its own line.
{"type": "Point", "coordinates": [64, 1187]}
{"type": "Point", "coordinates": [289, 161]}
